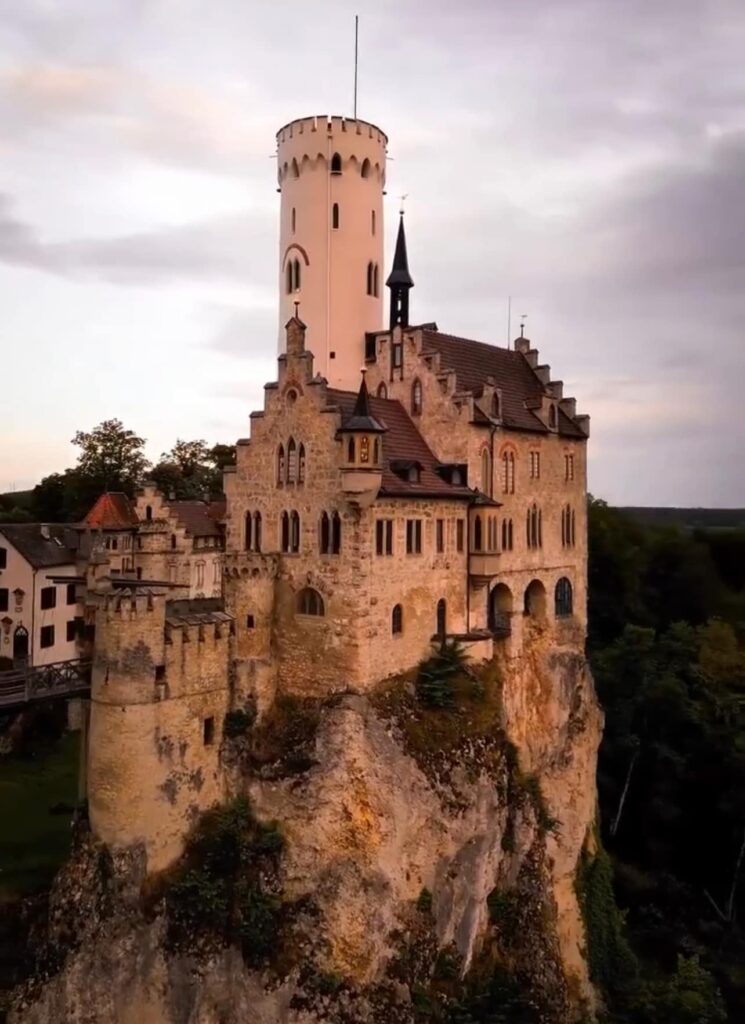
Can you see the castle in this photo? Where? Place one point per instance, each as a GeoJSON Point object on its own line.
{"type": "Point", "coordinates": [401, 485]}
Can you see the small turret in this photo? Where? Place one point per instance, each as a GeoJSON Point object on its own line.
{"type": "Point", "coordinates": [362, 452]}
{"type": "Point", "coordinates": [400, 281]}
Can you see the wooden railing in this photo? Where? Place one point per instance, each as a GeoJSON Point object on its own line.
{"type": "Point", "coordinates": [21, 686]}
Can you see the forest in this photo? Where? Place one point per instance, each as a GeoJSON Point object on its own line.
{"type": "Point", "coordinates": [664, 902]}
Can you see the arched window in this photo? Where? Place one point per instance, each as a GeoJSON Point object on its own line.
{"type": "Point", "coordinates": [535, 600]}
{"type": "Point", "coordinates": [350, 450]}
{"type": "Point", "coordinates": [296, 275]}
{"type": "Point", "coordinates": [291, 461]}
{"type": "Point", "coordinates": [416, 398]}
{"type": "Point", "coordinates": [294, 532]}
{"type": "Point", "coordinates": [500, 610]}
{"type": "Point", "coordinates": [173, 542]}
{"type": "Point", "coordinates": [534, 527]}
{"type": "Point", "coordinates": [372, 221]}
{"type": "Point", "coordinates": [248, 532]}
{"type": "Point", "coordinates": [552, 416]}
{"type": "Point", "coordinates": [301, 464]}
{"type": "Point", "coordinates": [148, 512]}
{"type": "Point", "coordinates": [294, 220]}
{"type": "Point", "coordinates": [375, 280]}
{"type": "Point", "coordinates": [563, 598]}
{"type": "Point", "coordinates": [486, 471]}
{"type": "Point", "coordinates": [477, 534]}
{"type": "Point", "coordinates": [509, 534]}
{"type": "Point", "coordinates": [572, 525]}
{"type": "Point", "coordinates": [442, 615]}
{"type": "Point", "coordinates": [257, 531]}
{"type": "Point", "coordinates": [289, 273]}
{"type": "Point", "coordinates": [397, 620]}
{"type": "Point", "coordinates": [285, 532]}
{"type": "Point", "coordinates": [496, 406]}
{"type": "Point", "coordinates": [382, 391]}
{"type": "Point", "coordinates": [508, 473]}
{"type": "Point", "coordinates": [365, 169]}
{"type": "Point", "coordinates": [335, 215]}
{"type": "Point", "coordinates": [376, 452]}
{"type": "Point", "coordinates": [310, 602]}
{"type": "Point", "coordinates": [369, 278]}
{"type": "Point", "coordinates": [336, 164]}
{"type": "Point", "coordinates": [281, 464]}
{"type": "Point", "coordinates": [335, 534]}
{"type": "Point", "coordinates": [325, 534]}
{"type": "Point", "coordinates": [295, 170]}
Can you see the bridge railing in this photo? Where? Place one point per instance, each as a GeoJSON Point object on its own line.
{"type": "Point", "coordinates": [44, 682]}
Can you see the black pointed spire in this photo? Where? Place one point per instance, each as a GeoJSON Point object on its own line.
{"type": "Point", "coordinates": [400, 280]}
{"type": "Point", "coordinates": [362, 419]}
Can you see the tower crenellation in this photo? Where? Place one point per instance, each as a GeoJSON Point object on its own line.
{"type": "Point", "coordinates": [331, 176]}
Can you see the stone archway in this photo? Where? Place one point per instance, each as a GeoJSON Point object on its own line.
{"type": "Point", "coordinates": [500, 609]}
{"type": "Point", "coordinates": [535, 600]}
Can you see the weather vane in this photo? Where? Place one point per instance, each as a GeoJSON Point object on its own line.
{"type": "Point", "coordinates": [523, 318]}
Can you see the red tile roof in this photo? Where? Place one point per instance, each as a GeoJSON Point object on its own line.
{"type": "Point", "coordinates": [112, 511]}
{"type": "Point", "coordinates": [474, 361]}
{"type": "Point", "coordinates": [195, 517]}
{"type": "Point", "coordinates": [402, 443]}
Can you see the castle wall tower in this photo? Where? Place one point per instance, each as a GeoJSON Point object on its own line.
{"type": "Point", "coordinates": [159, 695]}
{"type": "Point", "coordinates": [331, 173]}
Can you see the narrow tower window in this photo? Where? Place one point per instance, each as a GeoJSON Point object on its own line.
{"type": "Point", "coordinates": [295, 169]}
{"type": "Point", "coordinates": [336, 164]}
{"type": "Point", "coordinates": [290, 277]}
{"type": "Point", "coordinates": [294, 220]}
{"type": "Point", "coordinates": [365, 170]}
{"type": "Point", "coordinates": [335, 216]}
{"type": "Point", "coordinates": [369, 279]}
{"type": "Point", "coordinates": [416, 398]}
{"type": "Point", "coordinates": [372, 221]}
{"type": "Point", "coordinates": [375, 280]}
{"type": "Point", "coordinates": [296, 275]}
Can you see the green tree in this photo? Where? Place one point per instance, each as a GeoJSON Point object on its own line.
{"type": "Point", "coordinates": [111, 457]}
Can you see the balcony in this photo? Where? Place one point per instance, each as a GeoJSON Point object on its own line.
{"type": "Point", "coordinates": [483, 566]}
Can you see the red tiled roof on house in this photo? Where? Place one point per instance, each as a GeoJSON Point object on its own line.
{"type": "Point", "coordinates": [474, 361]}
{"type": "Point", "coordinates": [112, 511]}
{"type": "Point", "coordinates": [402, 443]}
{"type": "Point", "coordinates": [195, 517]}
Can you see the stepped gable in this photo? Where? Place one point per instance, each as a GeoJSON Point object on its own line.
{"type": "Point", "coordinates": [474, 361]}
{"type": "Point", "coordinates": [196, 517]}
{"type": "Point", "coordinates": [402, 445]}
{"type": "Point", "coordinates": [113, 510]}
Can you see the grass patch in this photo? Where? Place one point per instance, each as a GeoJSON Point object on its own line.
{"type": "Point", "coordinates": [37, 794]}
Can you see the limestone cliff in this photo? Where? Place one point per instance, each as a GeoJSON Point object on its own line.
{"type": "Point", "coordinates": [412, 839]}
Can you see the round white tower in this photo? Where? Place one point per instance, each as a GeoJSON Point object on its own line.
{"type": "Point", "coordinates": [331, 173]}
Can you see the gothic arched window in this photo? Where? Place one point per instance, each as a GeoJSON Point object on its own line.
{"type": "Point", "coordinates": [301, 464]}
{"type": "Point", "coordinates": [335, 215]}
{"type": "Point", "coordinates": [370, 278]}
{"type": "Point", "coordinates": [351, 450]}
{"type": "Point", "coordinates": [310, 602]}
{"type": "Point", "coordinates": [281, 464]}
{"type": "Point", "coordinates": [296, 275]}
{"type": "Point", "coordinates": [563, 597]}
{"type": "Point", "coordinates": [335, 534]}
{"type": "Point", "coordinates": [336, 164]}
{"type": "Point", "coordinates": [289, 275]}
{"type": "Point", "coordinates": [397, 620]}
{"type": "Point", "coordinates": [375, 281]}
{"type": "Point", "coordinates": [416, 398]}
{"type": "Point", "coordinates": [294, 532]}
{"type": "Point", "coordinates": [257, 531]}
{"type": "Point", "coordinates": [477, 534]}
{"type": "Point", "coordinates": [365, 169]}
{"type": "Point", "coordinates": [324, 544]}
{"type": "Point", "coordinates": [291, 461]}
{"type": "Point", "coordinates": [382, 391]}
{"type": "Point", "coordinates": [486, 471]}
{"type": "Point", "coordinates": [248, 532]}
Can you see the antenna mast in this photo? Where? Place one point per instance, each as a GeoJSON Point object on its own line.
{"type": "Point", "coordinates": [356, 37]}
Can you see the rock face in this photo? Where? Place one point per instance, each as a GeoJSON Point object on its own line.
{"type": "Point", "coordinates": [405, 843]}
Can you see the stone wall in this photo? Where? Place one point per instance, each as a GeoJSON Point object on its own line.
{"type": "Point", "coordinates": [158, 702]}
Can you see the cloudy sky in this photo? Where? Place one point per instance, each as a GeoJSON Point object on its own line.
{"type": "Point", "coordinates": [585, 156]}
